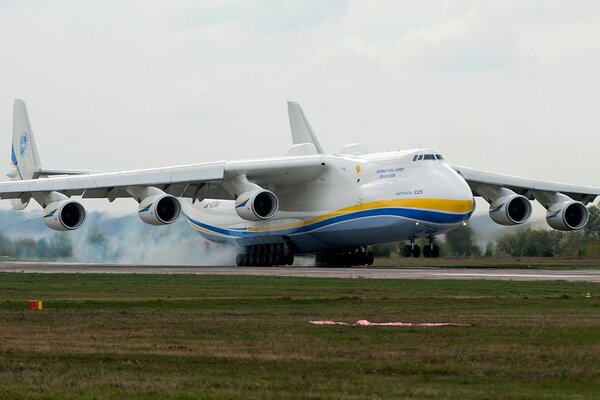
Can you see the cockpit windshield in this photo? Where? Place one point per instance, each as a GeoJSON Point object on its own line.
{"type": "Point", "coordinates": [432, 157]}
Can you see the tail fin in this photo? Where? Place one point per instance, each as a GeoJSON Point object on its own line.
{"type": "Point", "coordinates": [24, 155]}
{"type": "Point", "coordinates": [302, 132]}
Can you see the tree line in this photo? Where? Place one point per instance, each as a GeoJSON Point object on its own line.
{"type": "Point", "coordinates": [55, 247]}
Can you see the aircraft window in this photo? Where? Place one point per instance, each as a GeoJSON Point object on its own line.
{"type": "Point", "coordinates": [439, 157]}
{"type": "Point", "coordinates": [429, 157]}
{"type": "Point", "coordinates": [420, 157]}
{"type": "Point", "coordinates": [415, 158]}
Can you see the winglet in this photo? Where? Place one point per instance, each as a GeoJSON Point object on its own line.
{"type": "Point", "coordinates": [302, 132]}
{"type": "Point", "coordinates": [24, 154]}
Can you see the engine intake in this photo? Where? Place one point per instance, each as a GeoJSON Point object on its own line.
{"type": "Point", "coordinates": [160, 209]}
{"type": "Point", "coordinates": [567, 216]}
{"type": "Point", "coordinates": [510, 210]}
{"type": "Point", "coordinates": [258, 205]}
{"type": "Point", "coordinates": [64, 215]}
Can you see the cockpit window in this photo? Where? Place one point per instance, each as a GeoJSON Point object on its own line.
{"type": "Point", "coordinates": [415, 158]}
{"type": "Point", "coordinates": [439, 157]}
{"type": "Point", "coordinates": [429, 157]}
{"type": "Point", "coordinates": [420, 157]}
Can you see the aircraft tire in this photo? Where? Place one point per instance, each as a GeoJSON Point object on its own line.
{"type": "Point", "coordinates": [435, 252]}
{"type": "Point", "coordinates": [262, 260]}
{"type": "Point", "coordinates": [289, 258]}
{"type": "Point", "coordinates": [407, 251]}
{"type": "Point", "coordinates": [427, 251]}
{"type": "Point", "coordinates": [416, 251]}
{"type": "Point", "coordinates": [239, 260]}
{"type": "Point", "coordinates": [349, 260]}
{"type": "Point", "coordinates": [363, 258]}
{"type": "Point", "coordinates": [370, 258]}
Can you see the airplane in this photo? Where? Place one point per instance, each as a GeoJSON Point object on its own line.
{"type": "Point", "coordinates": [308, 202]}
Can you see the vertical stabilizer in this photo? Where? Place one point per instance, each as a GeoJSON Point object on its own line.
{"type": "Point", "coordinates": [302, 132]}
{"type": "Point", "coordinates": [24, 154]}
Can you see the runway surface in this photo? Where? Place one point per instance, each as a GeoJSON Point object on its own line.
{"type": "Point", "coordinates": [587, 275]}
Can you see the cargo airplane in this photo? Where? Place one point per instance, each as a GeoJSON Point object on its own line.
{"type": "Point", "coordinates": [308, 202]}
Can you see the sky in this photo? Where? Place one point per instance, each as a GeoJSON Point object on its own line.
{"type": "Point", "coordinates": [506, 86]}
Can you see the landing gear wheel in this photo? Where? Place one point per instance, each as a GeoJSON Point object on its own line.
{"type": "Point", "coordinates": [416, 251]}
{"type": "Point", "coordinates": [435, 252]}
{"type": "Point", "coordinates": [370, 258]}
{"type": "Point", "coordinates": [239, 260]}
{"type": "Point", "coordinates": [289, 258]}
{"type": "Point", "coordinates": [427, 251]}
{"type": "Point", "coordinates": [407, 251]}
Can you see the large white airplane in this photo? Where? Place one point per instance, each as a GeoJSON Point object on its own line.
{"type": "Point", "coordinates": [307, 202]}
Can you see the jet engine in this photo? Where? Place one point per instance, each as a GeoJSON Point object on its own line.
{"type": "Point", "coordinates": [512, 209]}
{"type": "Point", "coordinates": [257, 205]}
{"type": "Point", "coordinates": [567, 216]}
{"type": "Point", "coordinates": [159, 209]}
{"type": "Point", "coordinates": [64, 215]}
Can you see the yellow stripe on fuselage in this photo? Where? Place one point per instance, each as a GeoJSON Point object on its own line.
{"type": "Point", "coordinates": [441, 205]}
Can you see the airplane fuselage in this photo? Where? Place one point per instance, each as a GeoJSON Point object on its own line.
{"type": "Point", "coordinates": [358, 200]}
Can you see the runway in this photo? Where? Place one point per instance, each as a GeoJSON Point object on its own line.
{"type": "Point", "coordinates": [584, 275]}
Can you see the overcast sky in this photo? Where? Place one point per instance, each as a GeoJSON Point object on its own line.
{"type": "Point", "coordinates": [508, 86]}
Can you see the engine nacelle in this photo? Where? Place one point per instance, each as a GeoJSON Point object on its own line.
{"type": "Point", "coordinates": [64, 215]}
{"type": "Point", "coordinates": [258, 205]}
{"type": "Point", "coordinates": [567, 215]}
{"type": "Point", "coordinates": [160, 209]}
{"type": "Point", "coordinates": [512, 209]}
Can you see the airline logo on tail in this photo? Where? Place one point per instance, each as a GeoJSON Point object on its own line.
{"type": "Point", "coordinates": [23, 143]}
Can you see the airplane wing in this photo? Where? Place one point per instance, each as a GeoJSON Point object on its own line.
{"type": "Point", "coordinates": [483, 182]}
{"type": "Point", "coordinates": [191, 181]}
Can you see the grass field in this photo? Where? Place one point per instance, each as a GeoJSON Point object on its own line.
{"type": "Point", "coordinates": [178, 337]}
{"type": "Point", "coordinates": [397, 261]}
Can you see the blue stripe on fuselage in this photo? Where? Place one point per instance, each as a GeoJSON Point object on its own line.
{"type": "Point", "coordinates": [419, 215]}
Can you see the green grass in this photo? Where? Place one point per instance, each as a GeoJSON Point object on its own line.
{"type": "Point", "coordinates": [397, 261]}
{"type": "Point", "coordinates": [188, 336]}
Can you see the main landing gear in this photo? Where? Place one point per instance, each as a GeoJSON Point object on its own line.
{"type": "Point", "coordinates": [429, 250]}
{"type": "Point", "coordinates": [266, 255]}
{"type": "Point", "coordinates": [352, 258]}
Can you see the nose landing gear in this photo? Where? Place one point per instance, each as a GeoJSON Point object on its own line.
{"type": "Point", "coordinates": [429, 250]}
{"type": "Point", "coordinates": [412, 249]}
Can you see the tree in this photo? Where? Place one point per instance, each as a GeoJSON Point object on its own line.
{"type": "Point", "coordinates": [592, 228]}
{"type": "Point", "coordinates": [530, 243]}
{"type": "Point", "coordinates": [460, 242]}
{"type": "Point", "coordinates": [384, 250]}
{"type": "Point", "coordinates": [489, 249]}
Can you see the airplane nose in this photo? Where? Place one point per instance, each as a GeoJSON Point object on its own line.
{"type": "Point", "coordinates": [453, 187]}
